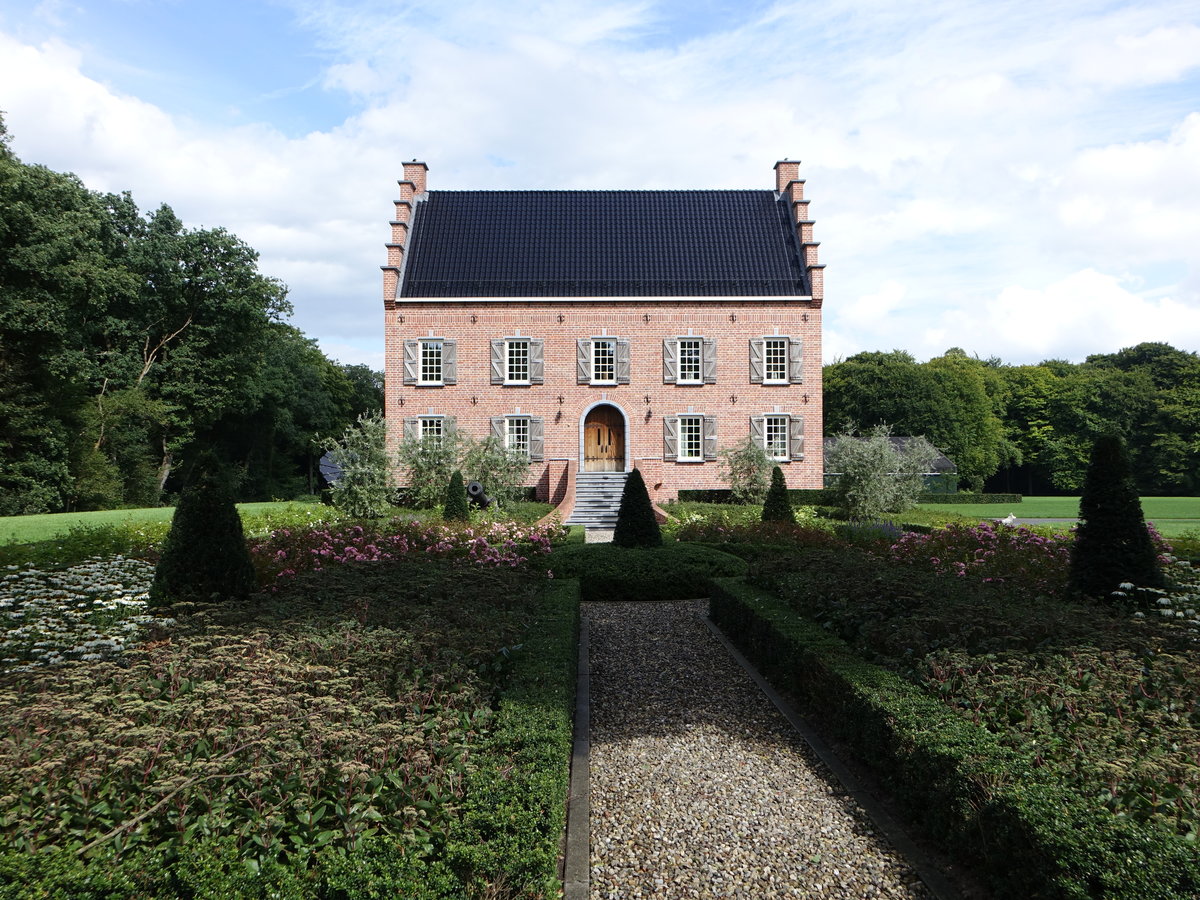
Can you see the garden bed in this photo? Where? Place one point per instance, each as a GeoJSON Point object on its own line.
{"type": "Point", "coordinates": [398, 728]}
{"type": "Point", "coordinates": [1056, 744]}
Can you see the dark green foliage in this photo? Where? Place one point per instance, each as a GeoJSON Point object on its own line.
{"type": "Point", "coordinates": [456, 509]}
{"type": "Point", "coordinates": [777, 507]}
{"type": "Point", "coordinates": [675, 571]}
{"type": "Point", "coordinates": [204, 556]}
{"type": "Point", "coordinates": [1112, 545]}
{"type": "Point", "coordinates": [636, 525]}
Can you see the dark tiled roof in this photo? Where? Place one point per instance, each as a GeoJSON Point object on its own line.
{"type": "Point", "coordinates": [602, 244]}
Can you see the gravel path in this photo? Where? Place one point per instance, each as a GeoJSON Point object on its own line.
{"type": "Point", "coordinates": [700, 788]}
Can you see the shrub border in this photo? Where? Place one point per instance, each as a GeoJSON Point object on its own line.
{"type": "Point", "coordinates": [983, 800]}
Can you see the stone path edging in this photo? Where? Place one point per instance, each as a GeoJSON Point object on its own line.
{"type": "Point", "coordinates": [578, 858]}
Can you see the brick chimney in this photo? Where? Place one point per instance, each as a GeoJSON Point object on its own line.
{"type": "Point", "coordinates": [412, 188]}
{"type": "Point", "coordinates": [789, 185]}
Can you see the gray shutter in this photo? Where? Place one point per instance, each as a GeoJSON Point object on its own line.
{"type": "Point", "coordinates": [708, 360]}
{"type": "Point", "coordinates": [449, 425]}
{"type": "Point", "coordinates": [670, 437]}
{"type": "Point", "coordinates": [710, 437]}
{"type": "Point", "coordinates": [498, 362]}
{"type": "Point", "coordinates": [796, 361]}
{"type": "Point", "coordinates": [622, 361]}
{"type": "Point", "coordinates": [411, 361]}
{"type": "Point", "coordinates": [537, 364]}
{"type": "Point", "coordinates": [498, 429]}
{"type": "Point", "coordinates": [756, 361]}
{"type": "Point", "coordinates": [583, 361]}
{"type": "Point", "coordinates": [670, 360]}
{"type": "Point", "coordinates": [537, 439]}
{"type": "Point", "coordinates": [796, 437]}
{"type": "Point", "coordinates": [412, 429]}
{"type": "Point", "coordinates": [449, 362]}
{"type": "Point", "coordinates": [758, 431]}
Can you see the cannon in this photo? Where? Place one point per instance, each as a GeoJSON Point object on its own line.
{"type": "Point", "coordinates": [477, 496]}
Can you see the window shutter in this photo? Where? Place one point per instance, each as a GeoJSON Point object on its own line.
{"type": "Point", "coordinates": [412, 429]}
{"type": "Point", "coordinates": [796, 437]}
{"type": "Point", "coordinates": [796, 361]}
{"type": "Point", "coordinates": [411, 353]}
{"type": "Point", "coordinates": [758, 431]}
{"type": "Point", "coordinates": [708, 360]}
{"type": "Point", "coordinates": [537, 439]}
{"type": "Point", "coordinates": [756, 362]}
{"type": "Point", "coordinates": [449, 425]}
{"type": "Point", "coordinates": [670, 437]}
{"type": "Point", "coordinates": [449, 362]}
{"type": "Point", "coordinates": [710, 437]}
{"type": "Point", "coordinates": [537, 365]}
{"type": "Point", "coordinates": [622, 361]}
{"type": "Point", "coordinates": [498, 362]}
{"type": "Point", "coordinates": [670, 361]}
{"type": "Point", "coordinates": [583, 361]}
{"type": "Point", "coordinates": [498, 429]}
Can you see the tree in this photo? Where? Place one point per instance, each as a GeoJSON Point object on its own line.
{"type": "Point", "coordinates": [365, 488]}
{"type": "Point", "coordinates": [1112, 544]}
{"type": "Point", "coordinates": [746, 469]}
{"type": "Point", "coordinates": [501, 471]}
{"type": "Point", "coordinates": [204, 557]}
{"type": "Point", "coordinates": [778, 506]}
{"type": "Point", "coordinates": [428, 463]}
{"type": "Point", "coordinates": [877, 475]}
{"type": "Point", "coordinates": [456, 509]}
{"type": "Point", "coordinates": [636, 524]}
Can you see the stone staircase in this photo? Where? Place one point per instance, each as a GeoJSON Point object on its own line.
{"type": "Point", "coordinates": [597, 499]}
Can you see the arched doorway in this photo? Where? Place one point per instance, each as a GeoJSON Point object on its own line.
{"type": "Point", "coordinates": [604, 440]}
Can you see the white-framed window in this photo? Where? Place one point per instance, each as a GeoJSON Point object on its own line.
{"type": "Point", "coordinates": [689, 360]}
{"type": "Point", "coordinates": [516, 354]}
{"type": "Point", "coordinates": [775, 433]}
{"type": "Point", "coordinates": [691, 438]}
{"type": "Point", "coordinates": [516, 434]}
{"type": "Point", "coordinates": [603, 360]}
{"type": "Point", "coordinates": [430, 362]}
{"type": "Point", "coordinates": [780, 434]}
{"type": "Point", "coordinates": [525, 434]}
{"type": "Point", "coordinates": [518, 361]}
{"type": "Point", "coordinates": [776, 359]}
{"type": "Point", "coordinates": [431, 427]}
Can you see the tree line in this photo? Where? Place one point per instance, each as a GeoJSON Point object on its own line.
{"type": "Point", "coordinates": [1030, 428]}
{"type": "Point", "coordinates": [129, 344]}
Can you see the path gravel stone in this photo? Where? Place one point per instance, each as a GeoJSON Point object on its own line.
{"type": "Point", "coordinates": [700, 788]}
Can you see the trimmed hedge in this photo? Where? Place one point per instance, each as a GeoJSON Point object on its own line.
{"type": "Point", "coordinates": [675, 571]}
{"type": "Point", "coordinates": [798, 496]}
{"type": "Point", "coordinates": [969, 498]}
{"type": "Point", "coordinates": [1035, 839]}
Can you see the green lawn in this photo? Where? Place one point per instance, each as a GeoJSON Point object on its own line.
{"type": "Point", "coordinates": [27, 529]}
{"type": "Point", "coordinates": [1170, 515]}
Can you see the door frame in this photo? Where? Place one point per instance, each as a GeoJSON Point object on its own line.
{"type": "Point", "coordinates": [583, 421]}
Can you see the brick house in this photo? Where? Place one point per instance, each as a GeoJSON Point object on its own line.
{"type": "Point", "coordinates": [600, 331]}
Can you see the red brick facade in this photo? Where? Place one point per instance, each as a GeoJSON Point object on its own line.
{"type": "Point", "coordinates": [729, 398]}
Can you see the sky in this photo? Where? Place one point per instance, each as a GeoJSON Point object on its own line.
{"type": "Point", "coordinates": [1017, 179]}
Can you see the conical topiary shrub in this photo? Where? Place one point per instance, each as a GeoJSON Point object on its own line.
{"type": "Point", "coordinates": [456, 509]}
{"type": "Point", "coordinates": [1112, 544]}
{"type": "Point", "coordinates": [204, 557]}
{"type": "Point", "coordinates": [636, 525]}
{"type": "Point", "coordinates": [778, 506]}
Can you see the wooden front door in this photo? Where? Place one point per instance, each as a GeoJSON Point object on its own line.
{"type": "Point", "coordinates": [604, 440]}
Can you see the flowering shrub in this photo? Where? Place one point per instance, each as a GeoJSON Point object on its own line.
{"type": "Point", "coordinates": [282, 554]}
{"type": "Point", "coordinates": [1021, 557]}
{"type": "Point", "coordinates": [90, 611]}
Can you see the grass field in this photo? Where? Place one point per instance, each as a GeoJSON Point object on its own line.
{"type": "Point", "coordinates": [1170, 515]}
{"type": "Point", "coordinates": [27, 529]}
